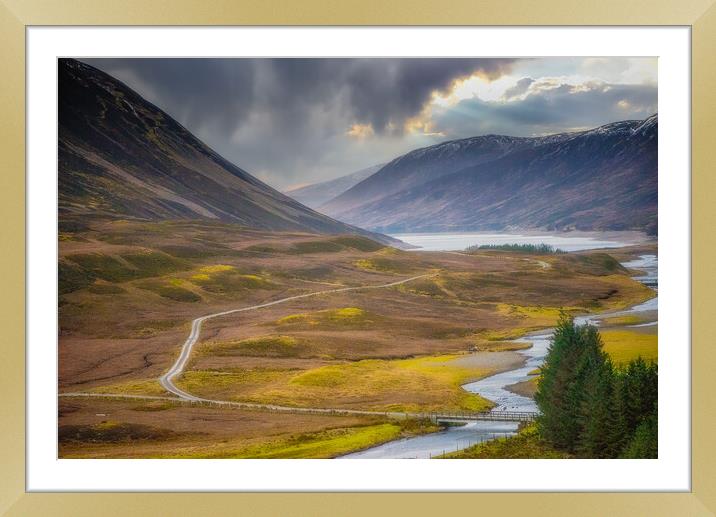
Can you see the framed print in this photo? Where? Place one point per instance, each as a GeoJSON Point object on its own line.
{"type": "Point", "coordinates": [363, 259]}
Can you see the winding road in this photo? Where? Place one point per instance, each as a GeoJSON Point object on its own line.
{"type": "Point", "coordinates": [177, 368]}
{"type": "Point", "coordinates": [179, 365]}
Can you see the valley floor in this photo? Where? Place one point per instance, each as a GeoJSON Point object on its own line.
{"type": "Point", "coordinates": [129, 290]}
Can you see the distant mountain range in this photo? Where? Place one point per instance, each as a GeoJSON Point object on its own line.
{"type": "Point", "coordinates": [122, 157]}
{"type": "Point", "coordinates": [316, 194]}
{"type": "Point", "coordinates": [601, 179]}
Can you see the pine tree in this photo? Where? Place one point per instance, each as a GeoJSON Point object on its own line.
{"type": "Point", "coordinates": [590, 408]}
{"type": "Point", "coordinates": [551, 395]}
{"type": "Point", "coordinates": [645, 442]}
{"type": "Point", "coordinates": [597, 410]}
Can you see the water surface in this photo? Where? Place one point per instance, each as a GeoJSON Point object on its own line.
{"type": "Point", "coordinates": [460, 241]}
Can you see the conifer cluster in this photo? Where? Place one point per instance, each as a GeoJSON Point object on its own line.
{"type": "Point", "coordinates": [592, 408]}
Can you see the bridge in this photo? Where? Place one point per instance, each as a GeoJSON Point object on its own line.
{"type": "Point", "coordinates": [490, 416]}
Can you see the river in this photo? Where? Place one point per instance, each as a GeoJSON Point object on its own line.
{"type": "Point", "coordinates": [495, 389]}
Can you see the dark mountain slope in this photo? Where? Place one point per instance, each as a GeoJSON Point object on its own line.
{"type": "Point", "coordinates": [422, 166]}
{"type": "Point", "coordinates": [605, 179]}
{"type": "Point", "coordinates": [121, 156]}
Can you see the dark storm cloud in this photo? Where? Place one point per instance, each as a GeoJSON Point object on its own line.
{"type": "Point", "coordinates": [223, 92]}
{"type": "Point", "coordinates": [549, 110]}
{"type": "Point", "coordinates": [287, 121]}
{"type": "Point", "coordinates": [276, 116]}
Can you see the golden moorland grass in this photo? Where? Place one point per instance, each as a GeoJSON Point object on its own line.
{"type": "Point", "coordinates": [383, 265]}
{"type": "Point", "coordinates": [625, 345]}
{"type": "Point", "coordinates": [324, 444]}
{"type": "Point", "coordinates": [334, 319]}
{"type": "Point", "coordinates": [328, 443]}
{"type": "Point", "coordinates": [124, 284]}
{"type": "Point", "coordinates": [536, 316]}
{"type": "Point", "coordinates": [133, 387]}
{"type": "Point", "coordinates": [420, 384]}
{"type": "Point", "coordinates": [260, 346]}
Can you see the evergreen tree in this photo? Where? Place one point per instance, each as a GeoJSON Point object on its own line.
{"type": "Point", "coordinates": [590, 408]}
{"type": "Point", "coordinates": [597, 410]}
{"type": "Point", "coordinates": [645, 442]}
{"type": "Point", "coordinates": [619, 432]}
{"type": "Point", "coordinates": [556, 373]}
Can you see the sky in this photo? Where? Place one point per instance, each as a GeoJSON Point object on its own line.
{"type": "Point", "coordinates": [296, 121]}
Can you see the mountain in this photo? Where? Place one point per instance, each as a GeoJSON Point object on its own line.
{"type": "Point", "coordinates": [601, 179]}
{"type": "Point", "coordinates": [120, 156]}
{"type": "Point", "coordinates": [316, 194]}
{"type": "Point", "coordinates": [422, 166]}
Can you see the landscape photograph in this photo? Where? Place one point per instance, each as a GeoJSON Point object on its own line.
{"type": "Point", "coordinates": [357, 258]}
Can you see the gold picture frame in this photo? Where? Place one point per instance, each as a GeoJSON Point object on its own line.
{"type": "Point", "coordinates": [16, 15]}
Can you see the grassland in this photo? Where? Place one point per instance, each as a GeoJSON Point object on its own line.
{"type": "Point", "coordinates": [414, 385]}
{"type": "Point", "coordinates": [525, 445]}
{"type": "Point", "coordinates": [625, 345]}
{"type": "Point", "coordinates": [621, 321]}
{"type": "Point", "coordinates": [128, 290]}
{"type": "Point", "coordinates": [323, 444]}
{"type": "Point", "coordinates": [106, 428]}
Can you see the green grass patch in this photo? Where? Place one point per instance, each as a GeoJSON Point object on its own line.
{"type": "Point", "coordinates": [345, 318]}
{"type": "Point", "coordinates": [306, 247]}
{"type": "Point", "coordinates": [423, 287]}
{"type": "Point", "coordinates": [590, 264]}
{"type": "Point", "coordinates": [217, 381]}
{"type": "Point", "coordinates": [536, 316]}
{"type": "Point", "coordinates": [346, 314]}
{"type": "Point", "coordinates": [155, 405]}
{"type": "Point", "coordinates": [323, 444]}
{"type": "Point", "coordinates": [329, 443]}
{"type": "Point", "coordinates": [123, 268]}
{"type": "Point", "coordinates": [167, 289]}
{"type": "Point", "coordinates": [383, 265]}
{"type": "Point", "coordinates": [624, 345]}
{"type": "Point", "coordinates": [154, 263]}
{"type": "Point", "coordinates": [434, 382]}
{"type": "Point", "coordinates": [134, 387]}
{"type": "Point", "coordinates": [225, 279]}
{"type": "Point", "coordinates": [263, 346]}
{"type": "Point", "coordinates": [64, 237]}
{"type": "Point", "coordinates": [333, 245]}
{"type": "Point", "coordinates": [72, 277]}
{"type": "Point", "coordinates": [326, 444]}
{"type": "Point", "coordinates": [421, 384]}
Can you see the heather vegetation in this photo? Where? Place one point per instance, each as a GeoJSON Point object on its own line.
{"type": "Point", "coordinates": [130, 289]}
